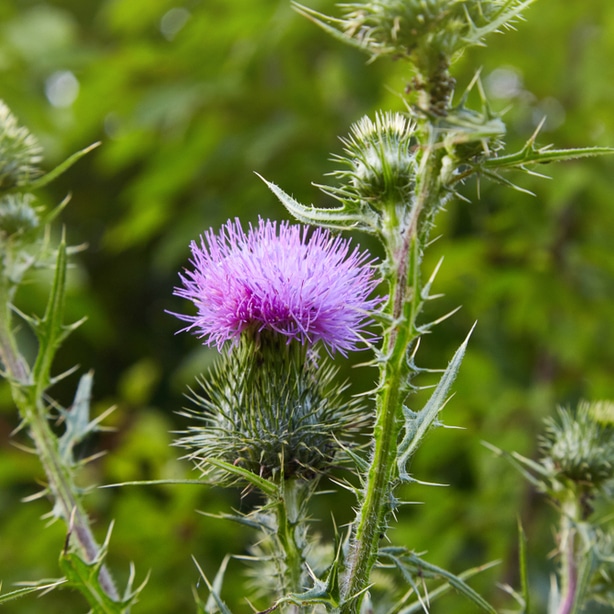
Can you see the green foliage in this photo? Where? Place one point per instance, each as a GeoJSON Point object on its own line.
{"type": "Point", "coordinates": [185, 114]}
{"type": "Point", "coordinates": [417, 424]}
{"type": "Point", "coordinates": [85, 576]}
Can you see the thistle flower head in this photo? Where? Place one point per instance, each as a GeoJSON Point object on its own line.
{"type": "Point", "coordinates": [20, 152]}
{"type": "Point", "coordinates": [306, 286]}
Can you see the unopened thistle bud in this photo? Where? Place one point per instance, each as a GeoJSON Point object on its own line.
{"type": "Point", "coordinates": [578, 450]}
{"type": "Point", "coordinates": [381, 155]}
{"type": "Point", "coordinates": [379, 162]}
{"type": "Point", "coordinates": [17, 215]}
{"type": "Point", "coordinates": [270, 408]}
{"type": "Point", "coordinates": [20, 152]}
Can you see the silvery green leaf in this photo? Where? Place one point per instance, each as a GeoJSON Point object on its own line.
{"type": "Point", "coordinates": [410, 565]}
{"type": "Point", "coordinates": [417, 423]}
{"type": "Point", "coordinates": [42, 587]}
{"type": "Point", "coordinates": [338, 218]}
{"type": "Point", "coordinates": [77, 418]}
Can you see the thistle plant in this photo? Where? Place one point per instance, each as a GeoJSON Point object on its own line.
{"type": "Point", "coordinates": [576, 472]}
{"type": "Point", "coordinates": [25, 245]}
{"type": "Point", "coordinates": [397, 172]}
{"type": "Point", "coordinates": [281, 302]}
{"type": "Point", "coordinates": [271, 415]}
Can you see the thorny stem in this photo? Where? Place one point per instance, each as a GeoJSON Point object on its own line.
{"type": "Point", "coordinates": [28, 398]}
{"type": "Point", "coordinates": [62, 488]}
{"type": "Point", "coordinates": [12, 361]}
{"type": "Point", "coordinates": [569, 554]}
{"type": "Point", "coordinates": [404, 242]}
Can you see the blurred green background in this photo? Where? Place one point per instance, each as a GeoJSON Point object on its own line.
{"type": "Point", "coordinates": [189, 98]}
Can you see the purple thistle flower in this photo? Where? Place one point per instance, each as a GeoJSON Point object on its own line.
{"type": "Point", "coordinates": [281, 278]}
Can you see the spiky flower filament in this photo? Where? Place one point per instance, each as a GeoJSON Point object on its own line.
{"type": "Point", "coordinates": [303, 285]}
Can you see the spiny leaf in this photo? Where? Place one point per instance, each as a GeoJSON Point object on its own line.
{"type": "Point", "coordinates": [212, 603]}
{"type": "Point", "coordinates": [40, 587]}
{"type": "Point", "coordinates": [509, 12]}
{"type": "Point", "coordinates": [215, 602]}
{"type": "Point", "coordinates": [84, 577]}
{"type": "Point", "coordinates": [48, 217]}
{"type": "Point", "coordinates": [417, 423]}
{"type": "Point", "coordinates": [409, 563]}
{"type": "Point", "coordinates": [530, 154]}
{"type": "Point", "coordinates": [268, 488]}
{"type": "Point", "coordinates": [521, 462]}
{"type": "Point", "coordinates": [522, 562]}
{"type": "Point", "coordinates": [50, 330]}
{"type": "Point", "coordinates": [325, 21]}
{"type": "Point", "coordinates": [61, 168]}
{"type": "Point", "coordinates": [92, 580]}
{"type": "Point", "coordinates": [433, 594]}
{"type": "Point", "coordinates": [77, 419]}
{"type": "Point", "coordinates": [335, 218]}
{"type": "Point", "coordinates": [156, 483]}
{"type": "Point", "coordinates": [324, 592]}
{"type": "Point", "coordinates": [131, 594]}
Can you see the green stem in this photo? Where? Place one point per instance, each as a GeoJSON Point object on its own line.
{"type": "Point", "coordinates": [404, 252]}
{"type": "Point", "coordinates": [13, 363]}
{"type": "Point", "coordinates": [29, 400]}
{"type": "Point", "coordinates": [374, 506]}
{"type": "Point", "coordinates": [62, 487]}
{"type": "Point", "coordinates": [570, 515]}
{"type": "Point", "coordinates": [290, 536]}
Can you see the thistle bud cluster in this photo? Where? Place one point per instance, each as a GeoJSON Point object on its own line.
{"type": "Point", "coordinates": [20, 152]}
{"type": "Point", "coordinates": [431, 34]}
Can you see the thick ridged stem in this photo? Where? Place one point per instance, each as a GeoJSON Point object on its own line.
{"type": "Point", "coordinates": [404, 239]}
{"type": "Point", "coordinates": [289, 516]}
